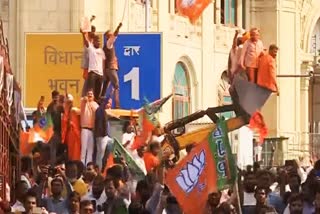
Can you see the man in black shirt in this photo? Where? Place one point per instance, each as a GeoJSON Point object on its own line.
{"type": "Point", "coordinates": [55, 109]}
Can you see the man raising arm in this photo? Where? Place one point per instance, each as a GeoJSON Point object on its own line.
{"type": "Point", "coordinates": [111, 64]}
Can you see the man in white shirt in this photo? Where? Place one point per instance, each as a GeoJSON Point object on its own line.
{"type": "Point", "coordinates": [128, 137]}
{"type": "Point", "coordinates": [96, 64]}
{"type": "Point", "coordinates": [137, 155]}
{"type": "Point", "coordinates": [97, 193]}
{"type": "Point", "coordinates": [21, 191]}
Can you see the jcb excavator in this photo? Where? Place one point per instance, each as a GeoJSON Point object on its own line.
{"type": "Point", "coordinates": [247, 98]}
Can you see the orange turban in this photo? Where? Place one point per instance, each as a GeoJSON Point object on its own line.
{"type": "Point", "coordinates": [245, 37]}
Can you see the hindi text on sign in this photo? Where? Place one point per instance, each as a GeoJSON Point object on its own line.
{"type": "Point", "coordinates": [64, 84]}
{"type": "Point", "coordinates": [53, 56]}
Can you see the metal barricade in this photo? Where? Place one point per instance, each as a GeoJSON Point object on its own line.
{"type": "Point", "coordinates": [291, 145]}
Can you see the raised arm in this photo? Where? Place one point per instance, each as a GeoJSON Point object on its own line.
{"type": "Point", "coordinates": [243, 53]}
{"type": "Point", "coordinates": [85, 38]}
{"type": "Point", "coordinates": [116, 32]}
{"type": "Point", "coordinates": [112, 39]}
{"type": "Point", "coordinates": [110, 114]}
{"type": "Point", "coordinates": [234, 43]}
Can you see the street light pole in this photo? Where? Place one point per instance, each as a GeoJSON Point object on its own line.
{"type": "Point", "coordinates": [147, 15]}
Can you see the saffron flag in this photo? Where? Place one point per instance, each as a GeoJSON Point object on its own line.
{"type": "Point", "coordinates": [45, 127]}
{"type": "Point", "coordinates": [208, 168]}
{"type": "Point", "coordinates": [191, 8]}
{"type": "Point", "coordinates": [257, 123]}
{"type": "Point", "coordinates": [148, 120]}
{"type": "Point", "coordinates": [42, 130]}
{"type": "Point", "coordinates": [25, 146]}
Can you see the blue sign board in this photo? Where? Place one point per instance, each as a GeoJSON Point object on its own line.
{"type": "Point", "coordinates": [139, 57]}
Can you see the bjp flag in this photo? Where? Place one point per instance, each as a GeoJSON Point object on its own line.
{"type": "Point", "coordinates": [191, 8]}
{"type": "Point", "coordinates": [25, 146]}
{"type": "Point", "coordinates": [208, 168]}
{"type": "Point", "coordinates": [148, 120]}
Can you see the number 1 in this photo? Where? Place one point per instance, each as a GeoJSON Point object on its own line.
{"type": "Point", "coordinates": [133, 76]}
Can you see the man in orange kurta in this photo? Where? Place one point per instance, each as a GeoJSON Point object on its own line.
{"type": "Point", "coordinates": [71, 129]}
{"type": "Point", "coordinates": [267, 70]}
{"type": "Point", "coordinates": [151, 159]}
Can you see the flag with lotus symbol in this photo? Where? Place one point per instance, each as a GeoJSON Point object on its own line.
{"type": "Point", "coordinates": [208, 168]}
{"type": "Point", "coordinates": [191, 8]}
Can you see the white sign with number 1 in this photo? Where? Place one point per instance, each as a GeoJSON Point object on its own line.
{"type": "Point", "coordinates": [133, 76]}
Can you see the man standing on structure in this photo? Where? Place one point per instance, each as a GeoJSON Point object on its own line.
{"type": "Point", "coordinates": [111, 66]}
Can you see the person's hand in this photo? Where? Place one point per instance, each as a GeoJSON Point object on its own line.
{"type": "Point", "coordinates": [61, 171]}
{"type": "Point", "coordinates": [81, 30]}
{"type": "Point", "coordinates": [163, 198]}
{"type": "Point", "coordinates": [44, 211]}
{"type": "Point", "coordinates": [237, 32]}
{"type": "Point", "coordinates": [93, 17]}
{"type": "Point", "coordinates": [44, 173]}
{"type": "Point", "coordinates": [120, 25]}
{"type": "Point", "coordinates": [278, 93]}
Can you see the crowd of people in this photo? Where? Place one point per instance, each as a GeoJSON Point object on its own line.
{"type": "Point", "coordinates": [71, 187]}
{"type": "Point", "coordinates": [69, 174]}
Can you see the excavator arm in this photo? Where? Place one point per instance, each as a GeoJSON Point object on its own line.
{"type": "Point", "coordinates": [174, 143]}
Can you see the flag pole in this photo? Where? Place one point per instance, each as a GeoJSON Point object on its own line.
{"type": "Point", "coordinates": [147, 15]}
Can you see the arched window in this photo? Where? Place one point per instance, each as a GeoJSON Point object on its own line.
{"type": "Point", "coordinates": [181, 92]}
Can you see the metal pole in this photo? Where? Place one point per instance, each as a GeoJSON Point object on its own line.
{"type": "Point", "coordinates": [147, 15]}
{"type": "Point", "coordinates": [294, 75]}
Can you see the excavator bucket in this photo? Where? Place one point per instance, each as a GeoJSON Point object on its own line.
{"type": "Point", "coordinates": [247, 98]}
{"type": "Point", "coordinates": [250, 96]}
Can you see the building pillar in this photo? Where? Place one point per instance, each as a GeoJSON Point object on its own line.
{"type": "Point", "coordinates": [77, 12]}
{"type": "Point", "coordinates": [218, 12]}
{"type": "Point", "coordinates": [304, 109]}
{"type": "Point", "coordinates": [239, 13]}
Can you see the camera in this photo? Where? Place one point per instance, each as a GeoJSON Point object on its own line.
{"type": "Point", "coordinates": [52, 171]}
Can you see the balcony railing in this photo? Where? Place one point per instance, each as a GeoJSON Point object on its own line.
{"type": "Point", "coordinates": [9, 128]}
